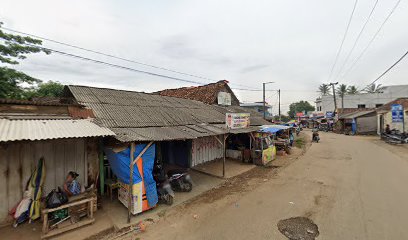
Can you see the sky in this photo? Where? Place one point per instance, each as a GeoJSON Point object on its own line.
{"type": "Point", "coordinates": [292, 43]}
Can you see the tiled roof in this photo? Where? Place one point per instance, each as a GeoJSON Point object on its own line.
{"type": "Point", "coordinates": [207, 93]}
{"type": "Point", "coordinates": [15, 130]}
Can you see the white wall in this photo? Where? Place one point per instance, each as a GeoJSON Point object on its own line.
{"type": "Point", "coordinates": [368, 99]}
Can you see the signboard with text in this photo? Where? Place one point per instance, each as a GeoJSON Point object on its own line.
{"type": "Point", "coordinates": [224, 99]}
{"type": "Point", "coordinates": [237, 120]}
{"type": "Point", "coordinates": [397, 113]}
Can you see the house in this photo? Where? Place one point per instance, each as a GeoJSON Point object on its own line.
{"type": "Point", "coordinates": [384, 115]}
{"type": "Point", "coordinates": [54, 131]}
{"type": "Point", "coordinates": [218, 93]}
{"type": "Point", "coordinates": [358, 122]}
{"type": "Point", "coordinates": [186, 132]}
{"type": "Point", "coordinates": [362, 100]}
{"type": "Point", "coordinates": [259, 108]}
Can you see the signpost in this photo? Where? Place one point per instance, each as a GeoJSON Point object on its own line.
{"type": "Point", "coordinates": [397, 113]}
{"type": "Point", "coordinates": [237, 120]}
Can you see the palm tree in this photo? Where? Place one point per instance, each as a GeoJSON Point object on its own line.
{"type": "Point", "coordinates": [374, 88]}
{"type": "Point", "coordinates": [352, 90]}
{"type": "Point", "coordinates": [341, 91]}
{"type": "Point", "coordinates": [324, 89]}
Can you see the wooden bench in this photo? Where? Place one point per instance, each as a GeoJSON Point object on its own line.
{"type": "Point", "coordinates": [87, 200]}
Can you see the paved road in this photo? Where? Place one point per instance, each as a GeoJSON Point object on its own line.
{"type": "Point", "coordinates": [351, 187]}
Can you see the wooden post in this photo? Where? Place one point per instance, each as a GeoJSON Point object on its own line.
{"type": "Point", "coordinates": [223, 155]}
{"type": "Point", "coordinates": [132, 163]}
{"type": "Point", "coordinates": [132, 150]}
{"type": "Point", "coordinates": [101, 169]}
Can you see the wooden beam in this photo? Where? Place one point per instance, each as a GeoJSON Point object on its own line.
{"type": "Point", "coordinates": [132, 150]}
{"type": "Point", "coordinates": [132, 163]}
{"type": "Point", "coordinates": [218, 140]}
{"type": "Point", "coordinates": [223, 154]}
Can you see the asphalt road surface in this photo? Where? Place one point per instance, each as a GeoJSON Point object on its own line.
{"type": "Point", "coordinates": [351, 187]}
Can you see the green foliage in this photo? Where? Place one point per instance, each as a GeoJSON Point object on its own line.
{"type": "Point", "coordinates": [12, 49]}
{"type": "Point", "coordinates": [342, 90]}
{"type": "Point", "coordinates": [352, 90]}
{"type": "Point", "coordinates": [47, 89]}
{"type": "Point", "coordinates": [283, 118]}
{"type": "Point", "coordinates": [374, 88]}
{"type": "Point", "coordinates": [324, 89]}
{"type": "Point", "coordinates": [300, 107]}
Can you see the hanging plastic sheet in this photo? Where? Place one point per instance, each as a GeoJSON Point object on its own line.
{"type": "Point", "coordinates": [120, 165]}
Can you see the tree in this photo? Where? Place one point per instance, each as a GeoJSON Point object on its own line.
{"type": "Point", "coordinates": [48, 89]}
{"type": "Point", "coordinates": [12, 49]}
{"type": "Point", "coordinates": [374, 88]}
{"type": "Point", "coordinates": [341, 91]}
{"type": "Point", "coordinates": [299, 107]}
{"type": "Point", "coordinates": [352, 90]}
{"type": "Point", "coordinates": [324, 89]}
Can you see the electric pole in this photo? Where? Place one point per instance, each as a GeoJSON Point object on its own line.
{"type": "Point", "coordinates": [264, 103]}
{"type": "Point", "coordinates": [279, 105]}
{"type": "Point", "coordinates": [334, 96]}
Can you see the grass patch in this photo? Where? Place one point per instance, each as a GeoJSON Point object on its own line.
{"type": "Point", "coordinates": [300, 142]}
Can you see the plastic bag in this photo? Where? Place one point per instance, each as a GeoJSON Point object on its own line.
{"type": "Point", "coordinates": [56, 198]}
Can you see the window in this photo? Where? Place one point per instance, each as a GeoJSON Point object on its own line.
{"type": "Point", "coordinates": [361, 106]}
{"type": "Point", "coordinates": [378, 105]}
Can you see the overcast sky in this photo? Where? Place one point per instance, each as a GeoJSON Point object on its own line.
{"type": "Point", "coordinates": [292, 43]}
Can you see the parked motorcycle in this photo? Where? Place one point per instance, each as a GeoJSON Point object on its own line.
{"type": "Point", "coordinates": [315, 137]}
{"type": "Point", "coordinates": [164, 191]}
{"type": "Point", "coordinates": [395, 137]}
{"type": "Point", "coordinates": [180, 180]}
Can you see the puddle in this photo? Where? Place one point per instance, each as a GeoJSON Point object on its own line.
{"type": "Point", "coordinates": [298, 228]}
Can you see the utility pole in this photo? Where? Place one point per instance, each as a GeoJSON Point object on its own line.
{"type": "Point", "coordinates": [264, 103]}
{"type": "Point", "coordinates": [334, 96]}
{"type": "Point", "coordinates": [279, 105]}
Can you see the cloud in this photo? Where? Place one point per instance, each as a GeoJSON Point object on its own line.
{"type": "Point", "coordinates": [254, 68]}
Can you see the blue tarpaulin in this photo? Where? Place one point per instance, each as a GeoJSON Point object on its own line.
{"type": "Point", "coordinates": [120, 165]}
{"type": "Point", "coordinates": [270, 130]}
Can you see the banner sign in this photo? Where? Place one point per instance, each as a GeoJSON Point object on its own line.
{"type": "Point", "coordinates": [237, 120]}
{"type": "Point", "coordinates": [329, 114]}
{"type": "Point", "coordinates": [397, 112]}
{"type": "Point", "coordinates": [224, 99]}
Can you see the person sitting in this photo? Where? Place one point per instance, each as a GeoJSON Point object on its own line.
{"type": "Point", "coordinates": [387, 129]}
{"type": "Point", "coordinates": [72, 186]}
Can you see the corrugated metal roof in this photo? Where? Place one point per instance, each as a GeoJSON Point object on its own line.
{"type": "Point", "coordinates": [15, 130]}
{"type": "Point", "coordinates": [355, 114]}
{"type": "Point", "coordinates": [126, 109]}
{"type": "Point", "coordinates": [165, 133]}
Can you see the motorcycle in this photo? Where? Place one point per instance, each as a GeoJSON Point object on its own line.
{"type": "Point", "coordinates": [180, 180]}
{"type": "Point", "coordinates": [164, 191]}
{"type": "Point", "coordinates": [315, 137]}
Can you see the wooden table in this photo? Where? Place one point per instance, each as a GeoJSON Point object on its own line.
{"type": "Point", "coordinates": [87, 200]}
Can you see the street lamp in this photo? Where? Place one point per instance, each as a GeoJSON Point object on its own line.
{"type": "Point", "coordinates": [264, 107]}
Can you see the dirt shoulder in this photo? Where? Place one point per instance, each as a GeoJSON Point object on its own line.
{"type": "Point", "coordinates": [226, 193]}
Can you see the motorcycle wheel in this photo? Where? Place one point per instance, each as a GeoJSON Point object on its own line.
{"type": "Point", "coordinates": [188, 187]}
{"type": "Point", "coordinates": [169, 200]}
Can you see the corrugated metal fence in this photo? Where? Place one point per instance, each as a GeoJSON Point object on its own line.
{"type": "Point", "coordinates": [19, 159]}
{"type": "Point", "coordinates": [204, 150]}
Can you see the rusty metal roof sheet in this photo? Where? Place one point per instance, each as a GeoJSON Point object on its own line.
{"type": "Point", "coordinates": [15, 130]}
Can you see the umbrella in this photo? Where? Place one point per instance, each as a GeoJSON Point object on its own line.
{"type": "Point", "coordinates": [36, 182]}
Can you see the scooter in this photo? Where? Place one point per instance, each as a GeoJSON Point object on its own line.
{"type": "Point", "coordinates": [315, 137]}
{"type": "Point", "coordinates": [180, 180]}
{"type": "Point", "coordinates": [164, 192]}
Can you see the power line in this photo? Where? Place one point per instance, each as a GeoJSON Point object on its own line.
{"type": "Point", "coordinates": [388, 69]}
{"type": "Point", "coordinates": [357, 39]}
{"type": "Point", "coordinates": [120, 58]}
{"type": "Point", "coordinates": [342, 41]}
{"type": "Point", "coordinates": [106, 54]}
{"type": "Point", "coordinates": [372, 40]}
{"type": "Point", "coordinates": [115, 65]}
